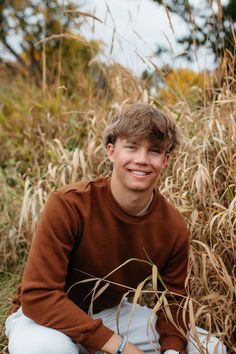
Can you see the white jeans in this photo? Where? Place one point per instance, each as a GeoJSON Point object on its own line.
{"type": "Point", "coordinates": [27, 337]}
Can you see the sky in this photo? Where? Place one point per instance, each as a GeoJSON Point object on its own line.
{"type": "Point", "coordinates": [131, 31]}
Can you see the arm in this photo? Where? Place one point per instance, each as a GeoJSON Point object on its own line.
{"type": "Point", "coordinates": [43, 296]}
{"type": "Point", "coordinates": [173, 276]}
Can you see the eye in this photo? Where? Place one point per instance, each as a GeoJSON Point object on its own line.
{"type": "Point", "coordinates": [155, 151]}
{"type": "Point", "coordinates": [130, 147]}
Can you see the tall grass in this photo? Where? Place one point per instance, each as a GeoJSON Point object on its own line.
{"type": "Point", "coordinates": [52, 137]}
{"type": "Point", "coordinates": [64, 144]}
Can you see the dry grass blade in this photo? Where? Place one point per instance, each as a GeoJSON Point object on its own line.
{"type": "Point", "coordinates": [85, 14]}
{"type": "Point", "coordinates": [137, 296]}
{"type": "Point", "coordinates": [220, 10]}
{"type": "Point", "coordinates": [75, 37]}
{"type": "Point", "coordinates": [124, 298]}
{"type": "Point", "coordinates": [112, 40]}
{"type": "Point", "coordinates": [185, 306]}
{"type": "Point", "coordinates": [155, 309]}
{"type": "Point", "coordinates": [101, 290]}
{"type": "Point", "coordinates": [90, 311]}
{"type": "Point", "coordinates": [24, 216]}
{"type": "Point", "coordinates": [194, 329]}
{"type": "Point", "coordinates": [157, 306]}
{"type": "Point", "coordinates": [81, 282]}
{"type": "Point", "coordinates": [154, 278]}
{"type": "Point", "coordinates": [168, 313]}
{"type": "Point", "coordinates": [124, 263]}
{"type": "Point", "coordinates": [96, 294]}
{"type": "Point", "coordinates": [168, 15]}
{"type": "Point", "coordinates": [224, 278]}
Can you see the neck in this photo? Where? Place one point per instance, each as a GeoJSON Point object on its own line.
{"type": "Point", "coordinates": [133, 202]}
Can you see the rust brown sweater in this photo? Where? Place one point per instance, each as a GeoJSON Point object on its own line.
{"type": "Point", "coordinates": [83, 232]}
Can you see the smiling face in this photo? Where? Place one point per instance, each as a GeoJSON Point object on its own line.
{"type": "Point", "coordinates": [136, 165]}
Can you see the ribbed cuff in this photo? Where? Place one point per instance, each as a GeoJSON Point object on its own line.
{"type": "Point", "coordinates": [175, 343]}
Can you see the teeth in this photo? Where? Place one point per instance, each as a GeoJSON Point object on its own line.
{"type": "Point", "coordinates": [139, 173]}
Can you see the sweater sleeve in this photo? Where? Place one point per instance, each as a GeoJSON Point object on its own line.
{"type": "Point", "coordinates": [174, 276]}
{"type": "Point", "coordinates": [43, 297]}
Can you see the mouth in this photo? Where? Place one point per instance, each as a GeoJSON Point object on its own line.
{"type": "Point", "coordinates": [138, 173]}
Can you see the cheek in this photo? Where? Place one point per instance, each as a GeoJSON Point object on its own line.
{"type": "Point", "coordinates": [159, 165]}
{"type": "Point", "coordinates": [121, 166]}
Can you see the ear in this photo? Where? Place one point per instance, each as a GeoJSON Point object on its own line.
{"type": "Point", "coordinates": [110, 151]}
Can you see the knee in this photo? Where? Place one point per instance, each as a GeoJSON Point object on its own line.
{"type": "Point", "coordinates": [210, 344]}
{"type": "Point", "coordinates": [49, 342]}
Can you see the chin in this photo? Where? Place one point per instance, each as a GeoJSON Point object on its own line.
{"type": "Point", "coordinates": [138, 188]}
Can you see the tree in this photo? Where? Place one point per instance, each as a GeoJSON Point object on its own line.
{"type": "Point", "coordinates": [212, 26]}
{"type": "Point", "coordinates": [28, 23]}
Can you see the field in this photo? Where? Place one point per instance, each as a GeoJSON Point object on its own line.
{"type": "Point", "coordinates": [52, 136]}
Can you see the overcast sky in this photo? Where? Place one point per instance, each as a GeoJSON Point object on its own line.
{"type": "Point", "coordinates": [131, 30]}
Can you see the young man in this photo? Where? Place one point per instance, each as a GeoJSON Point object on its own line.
{"type": "Point", "coordinates": [98, 239]}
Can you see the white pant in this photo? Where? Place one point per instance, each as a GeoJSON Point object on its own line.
{"type": "Point", "coordinates": [27, 337]}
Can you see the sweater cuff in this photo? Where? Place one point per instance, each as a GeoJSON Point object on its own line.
{"type": "Point", "coordinates": [175, 343]}
{"type": "Point", "coordinates": [96, 339]}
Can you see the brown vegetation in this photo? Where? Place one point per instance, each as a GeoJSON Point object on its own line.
{"type": "Point", "coordinates": [49, 141]}
{"type": "Point", "coordinates": [53, 136]}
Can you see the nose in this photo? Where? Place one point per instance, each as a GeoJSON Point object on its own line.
{"type": "Point", "coordinates": [141, 157]}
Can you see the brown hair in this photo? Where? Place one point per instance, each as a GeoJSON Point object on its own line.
{"type": "Point", "coordinates": [143, 121]}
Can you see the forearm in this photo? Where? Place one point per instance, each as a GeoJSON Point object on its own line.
{"type": "Point", "coordinates": [172, 322]}
{"type": "Point", "coordinates": [43, 294]}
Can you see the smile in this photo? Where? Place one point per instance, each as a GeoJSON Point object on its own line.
{"type": "Point", "coordinates": [139, 173]}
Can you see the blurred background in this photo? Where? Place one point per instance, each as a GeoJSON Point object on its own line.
{"type": "Point", "coordinates": [66, 67]}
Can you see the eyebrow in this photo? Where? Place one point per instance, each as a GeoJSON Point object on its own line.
{"type": "Point", "coordinates": [134, 142]}
{"type": "Point", "coordinates": [131, 140]}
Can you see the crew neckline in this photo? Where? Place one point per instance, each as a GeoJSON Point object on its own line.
{"type": "Point", "coordinates": [124, 215]}
{"type": "Point", "coordinates": [147, 206]}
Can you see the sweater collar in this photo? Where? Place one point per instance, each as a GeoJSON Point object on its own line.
{"type": "Point", "coordinates": [125, 216]}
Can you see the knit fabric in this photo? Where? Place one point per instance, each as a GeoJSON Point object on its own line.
{"type": "Point", "coordinates": [81, 240]}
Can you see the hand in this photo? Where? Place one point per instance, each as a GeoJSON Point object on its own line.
{"type": "Point", "coordinates": [112, 344]}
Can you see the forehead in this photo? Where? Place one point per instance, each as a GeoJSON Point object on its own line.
{"type": "Point", "coordinates": [137, 141]}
